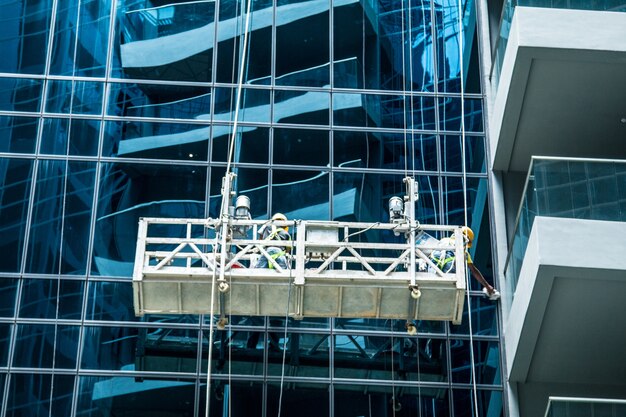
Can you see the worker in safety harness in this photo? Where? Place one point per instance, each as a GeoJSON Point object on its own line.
{"type": "Point", "coordinates": [272, 232]}
{"type": "Point", "coordinates": [444, 259]}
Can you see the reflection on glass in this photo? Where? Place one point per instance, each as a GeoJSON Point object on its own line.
{"type": "Point", "coordinates": [365, 197]}
{"type": "Point", "coordinates": [20, 94]}
{"type": "Point", "coordinates": [301, 147]}
{"type": "Point", "coordinates": [133, 139]}
{"type": "Point", "coordinates": [317, 397]}
{"type": "Point", "coordinates": [120, 395]}
{"type": "Point", "coordinates": [70, 137]}
{"type": "Point", "coordinates": [230, 32]}
{"type": "Point", "coordinates": [301, 194]}
{"type": "Point", "coordinates": [46, 346]}
{"type": "Point", "coordinates": [489, 401]}
{"type": "Point", "coordinates": [299, 107]}
{"type": "Point", "coordinates": [24, 36]}
{"type": "Point", "coordinates": [484, 317]}
{"type": "Point", "coordinates": [302, 42]}
{"type": "Point", "coordinates": [306, 354]}
{"type": "Point", "coordinates": [160, 101]}
{"type": "Point", "coordinates": [110, 301]}
{"type": "Point", "coordinates": [8, 288]}
{"type": "Point", "coordinates": [486, 360]}
{"type": "Point", "coordinates": [458, 205]}
{"type": "Point", "coordinates": [385, 150]}
{"type": "Point", "coordinates": [452, 151]}
{"type": "Point", "coordinates": [15, 181]}
{"type": "Point", "coordinates": [80, 38]}
{"type": "Point", "coordinates": [18, 134]}
{"type": "Point", "coordinates": [61, 217]}
{"type": "Point", "coordinates": [222, 390]}
{"type": "Point", "coordinates": [131, 191]}
{"type": "Point", "coordinates": [81, 97]}
{"type": "Point", "coordinates": [165, 41]}
{"type": "Point", "coordinates": [379, 400]}
{"type": "Point", "coordinates": [240, 352]}
{"type": "Point", "coordinates": [5, 337]}
{"type": "Point", "coordinates": [251, 144]}
{"type": "Point", "coordinates": [254, 105]}
{"type": "Point", "coordinates": [29, 394]}
{"type": "Point", "coordinates": [41, 298]}
{"type": "Point", "coordinates": [450, 114]}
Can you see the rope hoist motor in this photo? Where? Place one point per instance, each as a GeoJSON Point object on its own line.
{"type": "Point", "coordinates": [332, 268]}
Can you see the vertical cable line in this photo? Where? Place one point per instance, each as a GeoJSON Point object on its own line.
{"type": "Point", "coordinates": [225, 198]}
{"type": "Point", "coordinates": [63, 206]}
{"type": "Point", "coordinates": [282, 372]}
{"type": "Point", "coordinates": [464, 169]}
{"type": "Point", "coordinates": [410, 33]}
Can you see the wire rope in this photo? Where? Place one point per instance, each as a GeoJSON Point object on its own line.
{"type": "Point", "coordinates": [282, 372]}
{"type": "Point", "coordinates": [465, 205]}
{"type": "Point", "coordinates": [63, 205]}
{"type": "Point", "coordinates": [225, 198]}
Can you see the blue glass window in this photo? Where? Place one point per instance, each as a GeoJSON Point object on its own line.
{"type": "Point", "coordinates": [302, 44]}
{"type": "Point", "coordinates": [20, 94]}
{"type": "Point", "coordinates": [317, 400]}
{"type": "Point", "coordinates": [484, 317]}
{"type": "Point", "coordinates": [300, 107]}
{"type": "Point", "coordinates": [385, 150]}
{"type": "Point", "coordinates": [251, 144]}
{"type": "Point", "coordinates": [8, 288]}
{"type": "Point", "coordinates": [24, 28]}
{"type": "Point", "coordinates": [89, 21]}
{"type": "Point", "coordinates": [301, 147]}
{"type": "Point", "coordinates": [110, 301]}
{"type": "Point", "coordinates": [61, 217]}
{"type": "Point", "coordinates": [29, 395]}
{"type": "Point", "coordinates": [160, 101]}
{"type": "Point", "coordinates": [41, 298]}
{"type": "Point", "coordinates": [254, 105]}
{"type": "Point", "coordinates": [132, 139]}
{"type": "Point", "coordinates": [18, 134]}
{"type": "Point", "coordinates": [450, 114]}
{"type": "Point", "coordinates": [130, 191]}
{"type": "Point", "coordinates": [46, 346]}
{"type": "Point", "coordinates": [486, 359]}
{"type": "Point", "coordinates": [230, 40]}
{"type": "Point", "coordinates": [5, 339]}
{"type": "Point", "coordinates": [167, 41]}
{"type": "Point", "coordinates": [15, 180]}
{"type": "Point", "coordinates": [98, 395]}
{"type": "Point", "coordinates": [455, 201]}
{"type": "Point", "coordinates": [111, 348]}
{"type": "Point", "coordinates": [451, 154]}
{"type": "Point", "coordinates": [301, 194]}
{"type": "Point", "coordinates": [80, 97]}
{"type": "Point", "coordinates": [82, 138]}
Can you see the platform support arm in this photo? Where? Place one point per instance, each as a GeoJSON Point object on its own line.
{"type": "Point", "coordinates": [300, 252]}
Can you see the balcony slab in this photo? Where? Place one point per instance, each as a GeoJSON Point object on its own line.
{"type": "Point", "coordinates": [562, 89]}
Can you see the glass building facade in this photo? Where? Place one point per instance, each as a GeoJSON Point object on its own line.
{"type": "Point", "coordinates": [111, 110]}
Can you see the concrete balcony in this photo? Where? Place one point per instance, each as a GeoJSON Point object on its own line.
{"type": "Point", "coordinates": [561, 88]}
{"type": "Point", "coordinates": [565, 284]}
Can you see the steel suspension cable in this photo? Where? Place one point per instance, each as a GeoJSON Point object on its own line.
{"type": "Point", "coordinates": [465, 205]}
{"type": "Point", "coordinates": [226, 197]}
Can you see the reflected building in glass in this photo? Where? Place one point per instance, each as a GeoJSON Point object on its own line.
{"type": "Point", "coordinates": [112, 110]}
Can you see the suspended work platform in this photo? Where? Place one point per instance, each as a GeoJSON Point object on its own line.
{"type": "Point", "coordinates": [334, 269]}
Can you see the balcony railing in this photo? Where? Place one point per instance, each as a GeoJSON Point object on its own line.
{"type": "Point", "coordinates": [572, 407]}
{"type": "Point", "coordinates": [592, 189]}
{"type": "Point", "coordinates": [508, 9]}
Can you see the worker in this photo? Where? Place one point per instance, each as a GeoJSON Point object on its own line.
{"type": "Point", "coordinates": [444, 259]}
{"type": "Point", "coordinates": [278, 233]}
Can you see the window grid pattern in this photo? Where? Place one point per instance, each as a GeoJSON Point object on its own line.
{"type": "Point", "coordinates": [100, 127]}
